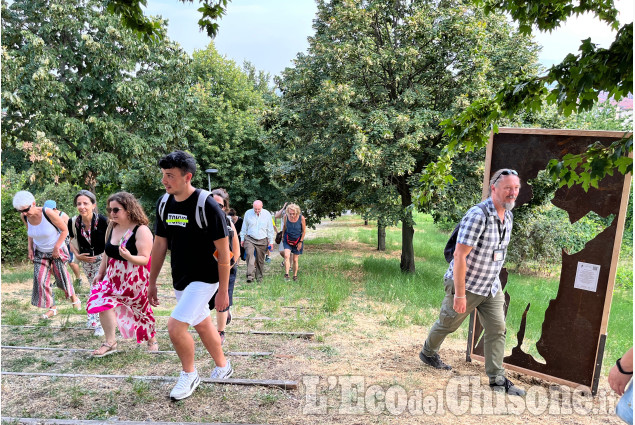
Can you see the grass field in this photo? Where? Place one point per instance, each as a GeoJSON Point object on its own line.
{"type": "Point", "coordinates": [416, 298]}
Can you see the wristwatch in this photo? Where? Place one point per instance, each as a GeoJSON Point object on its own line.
{"type": "Point", "coordinates": [619, 367]}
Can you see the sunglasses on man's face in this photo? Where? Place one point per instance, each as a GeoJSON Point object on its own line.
{"type": "Point", "coordinates": [26, 210]}
{"type": "Point", "coordinates": [113, 210]}
{"type": "Point", "coordinates": [506, 173]}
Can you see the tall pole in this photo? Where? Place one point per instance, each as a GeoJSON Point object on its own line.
{"type": "Point", "coordinates": [209, 172]}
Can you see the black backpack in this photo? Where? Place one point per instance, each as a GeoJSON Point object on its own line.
{"type": "Point", "coordinates": [448, 251]}
{"type": "Point", "coordinates": [68, 237]}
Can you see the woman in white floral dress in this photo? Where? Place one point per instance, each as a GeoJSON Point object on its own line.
{"type": "Point", "coordinates": [120, 293]}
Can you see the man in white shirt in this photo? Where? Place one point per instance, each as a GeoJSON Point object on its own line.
{"type": "Point", "coordinates": [257, 235]}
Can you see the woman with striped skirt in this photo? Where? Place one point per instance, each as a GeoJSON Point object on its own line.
{"type": "Point", "coordinates": [47, 233]}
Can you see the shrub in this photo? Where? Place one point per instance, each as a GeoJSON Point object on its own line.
{"type": "Point", "coordinates": [534, 241]}
{"type": "Point", "coordinates": [62, 193]}
{"type": "Point", "coordinates": [543, 232]}
{"type": "Point", "coordinates": [14, 238]}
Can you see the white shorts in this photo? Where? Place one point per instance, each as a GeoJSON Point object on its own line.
{"type": "Point", "coordinates": [192, 302]}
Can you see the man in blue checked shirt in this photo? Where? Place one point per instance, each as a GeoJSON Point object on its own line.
{"type": "Point", "coordinates": [472, 282]}
{"type": "Point", "coordinates": [256, 235]}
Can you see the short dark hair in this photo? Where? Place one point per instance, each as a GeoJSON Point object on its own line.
{"type": "Point", "coordinates": [179, 159]}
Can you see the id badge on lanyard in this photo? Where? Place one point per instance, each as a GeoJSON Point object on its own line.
{"type": "Point", "coordinates": [499, 254]}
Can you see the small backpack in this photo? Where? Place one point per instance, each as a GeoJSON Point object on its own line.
{"type": "Point", "coordinates": [448, 251]}
{"type": "Point", "coordinates": [74, 241]}
{"type": "Point", "coordinates": [201, 218]}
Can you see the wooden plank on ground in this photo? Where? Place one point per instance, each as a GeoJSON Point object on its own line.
{"type": "Point", "coordinates": [305, 335]}
{"type": "Point", "coordinates": [287, 385]}
{"type": "Point", "coordinates": [229, 353]}
{"type": "Point", "coordinates": [44, 421]}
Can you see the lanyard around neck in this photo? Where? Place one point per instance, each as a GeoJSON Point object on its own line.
{"type": "Point", "coordinates": [501, 232]}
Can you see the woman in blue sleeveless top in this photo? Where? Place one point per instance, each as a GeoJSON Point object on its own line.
{"type": "Point", "coordinates": [293, 238]}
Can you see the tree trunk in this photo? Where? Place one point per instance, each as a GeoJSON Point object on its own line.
{"type": "Point", "coordinates": [407, 230]}
{"type": "Point", "coordinates": [365, 222]}
{"type": "Point", "coordinates": [381, 237]}
{"type": "Point", "coordinates": [407, 247]}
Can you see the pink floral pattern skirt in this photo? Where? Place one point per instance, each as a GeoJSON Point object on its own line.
{"type": "Point", "coordinates": [125, 288]}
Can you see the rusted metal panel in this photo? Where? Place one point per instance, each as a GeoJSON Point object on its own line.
{"type": "Point", "coordinates": [575, 321]}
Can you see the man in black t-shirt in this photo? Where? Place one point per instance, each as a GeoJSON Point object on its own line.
{"type": "Point", "coordinates": [197, 273]}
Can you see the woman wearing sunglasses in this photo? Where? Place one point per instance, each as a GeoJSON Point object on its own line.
{"type": "Point", "coordinates": [120, 289]}
{"type": "Point", "coordinates": [47, 249]}
{"type": "Point", "coordinates": [88, 232]}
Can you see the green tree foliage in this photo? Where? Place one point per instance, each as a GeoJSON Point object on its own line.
{"type": "Point", "coordinates": [359, 114]}
{"type": "Point", "coordinates": [226, 131]}
{"type": "Point", "coordinates": [132, 16]}
{"type": "Point", "coordinates": [603, 116]}
{"type": "Point", "coordinates": [542, 230]}
{"type": "Point", "coordinates": [14, 237]}
{"type": "Point", "coordinates": [86, 102]}
{"type": "Point", "coordinates": [572, 86]}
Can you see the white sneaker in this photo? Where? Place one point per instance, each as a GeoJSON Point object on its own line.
{"type": "Point", "coordinates": [99, 331]}
{"type": "Point", "coordinates": [222, 372]}
{"type": "Point", "coordinates": [185, 386]}
{"type": "Point", "coordinates": [92, 321]}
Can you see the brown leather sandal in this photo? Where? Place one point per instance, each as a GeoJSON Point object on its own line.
{"type": "Point", "coordinates": [110, 349]}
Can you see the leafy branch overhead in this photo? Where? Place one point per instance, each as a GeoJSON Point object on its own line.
{"type": "Point", "coordinates": [132, 16]}
{"type": "Point", "coordinates": [572, 86]}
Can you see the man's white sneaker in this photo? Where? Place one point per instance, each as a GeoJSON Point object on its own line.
{"type": "Point", "coordinates": [222, 372]}
{"type": "Point", "coordinates": [185, 386]}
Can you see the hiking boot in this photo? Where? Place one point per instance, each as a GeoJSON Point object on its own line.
{"type": "Point", "coordinates": [185, 386]}
{"type": "Point", "coordinates": [222, 337]}
{"type": "Point", "coordinates": [504, 385]}
{"type": "Point", "coordinates": [222, 372]}
{"type": "Point", "coordinates": [434, 361]}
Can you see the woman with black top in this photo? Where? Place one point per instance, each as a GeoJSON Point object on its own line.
{"type": "Point", "coordinates": [88, 231]}
{"type": "Point", "coordinates": [120, 291]}
{"type": "Point", "coordinates": [223, 318]}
